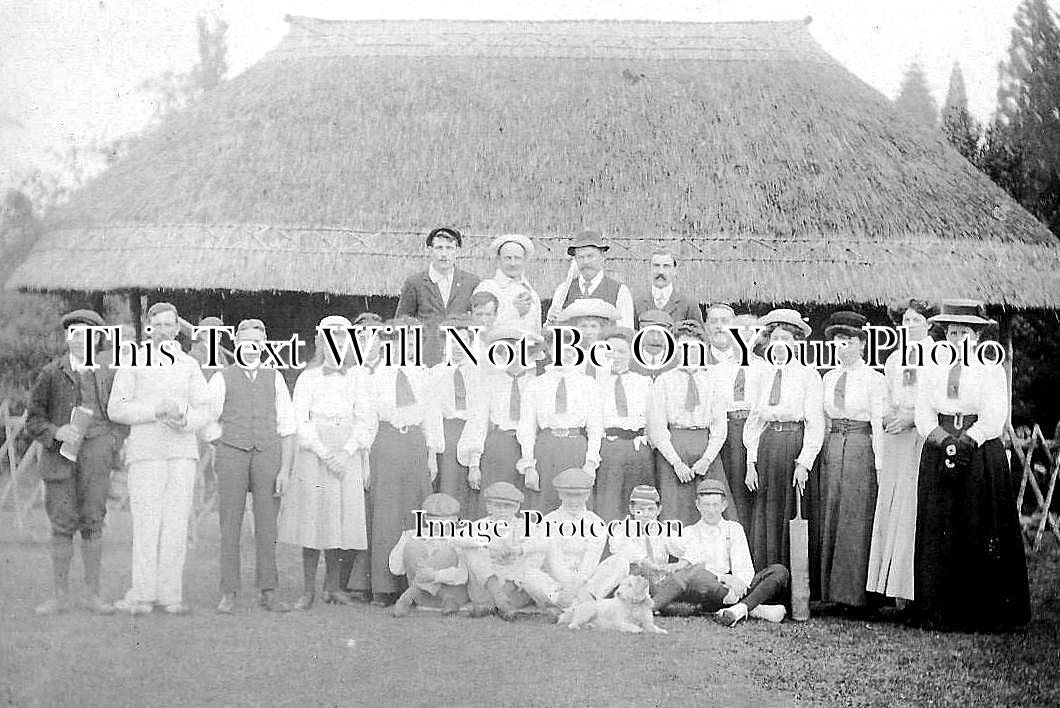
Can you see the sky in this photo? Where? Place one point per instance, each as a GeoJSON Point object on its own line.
{"type": "Point", "coordinates": [72, 68]}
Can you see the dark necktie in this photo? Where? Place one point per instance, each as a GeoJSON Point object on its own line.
{"type": "Point", "coordinates": [953, 384]}
{"type": "Point", "coordinates": [561, 396]}
{"type": "Point", "coordinates": [774, 393]}
{"type": "Point", "coordinates": [515, 400]}
{"type": "Point", "coordinates": [839, 400]}
{"type": "Point", "coordinates": [691, 393]}
{"type": "Point", "coordinates": [621, 404]}
{"type": "Point", "coordinates": [739, 385]}
{"type": "Point", "coordinates": [404, 396]}
{"type": "Point", "coordinates": [909, 373]}
{"type": "Point", "coordinates": [459, 390]}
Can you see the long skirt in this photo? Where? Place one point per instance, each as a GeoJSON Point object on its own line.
{"type": "Point", "coordinates": [847, 484]}
{"type": "Point", "coordinates": [622, 467]}
{"type": "Point", "coordinates": [970, 571]}
{"type": "Point", "coordinates": [734, 460]}
{"type": "Point", "coordinates": [452, 476]}
{"type": "Point", "coordinates": [400, 483]}
{"type": "Point", "coordinates": [500, 453]}
{"type": "Point", "coordinates": [894, 528]}
{"type": "Point", "coordinates": [775, 499]}
{"type": "Point", "coordinates": [553, 455]}
{"type": "Point", "coordinates": [320, 510]}
{"type": "Point", "coordinates": [679, 498]}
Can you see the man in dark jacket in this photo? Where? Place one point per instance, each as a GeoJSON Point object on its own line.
{"type": "Point", "coordinates": [441, 291]}
{"type": "Point", "coordinates": [663, 296]}
{"type": "Point", "coordinates": [76, 460]}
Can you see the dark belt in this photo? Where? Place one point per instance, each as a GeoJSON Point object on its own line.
{"type": "Point", "coordinates": [739, 415]}
{"type": "Point", "coordinates": [622, 433]}
{"type": "Point", "coordinates": [782, 426]}
{"type": "Point", "coordinates": [846, 426]}
{"type": "Point", "coordinates": [403, 430]}
{"type": "Point", "coordinates": [688, 427]}
{"type": "Point", "coordinates": [494, 428]}
{"type": "Point", "coordinates": [958, 421]}
{"type": "Point", "coordinates": [566, 432]}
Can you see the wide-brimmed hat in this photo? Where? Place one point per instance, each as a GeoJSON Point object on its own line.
{"type": "Point", "coordinates": [784, 315]}
{"type": "Point", "coordinates": [587, 238]}
{"type": "Point", "coordinates": [969, 312]}
{"type": "Point", "coordinates": [524, 241]}
{"type": "Point", "coordinates": [845, 322]}
{"type": "Point", "coordinates": [86, 317]}
{"type": "Point", "coordinates": [589, 307]}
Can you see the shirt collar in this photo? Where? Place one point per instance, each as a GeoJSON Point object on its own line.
{"type": "Point", "coordinates": [592, 284]}
{"type": "Point", "coordinates": [437, 277]}
{"type": "Point", "coordinates": [722, 354]}
{"type": "Point", "coordinates": [75, 363]}
{"type": "Point", "coordinates": [663, 293]}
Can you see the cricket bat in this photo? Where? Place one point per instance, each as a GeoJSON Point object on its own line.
{"type": "Point", "coordinates": [799, 534]}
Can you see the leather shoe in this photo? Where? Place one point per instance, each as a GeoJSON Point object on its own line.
{"type": "Point", "coordinates": [269, 603]}
{"type": "Point", "coordinates": [305, 602]}
{"type": "Point", "coordinates": [96, 606]}
{"type": "Point", "coordinates": [338, 598]}
{"type": "Point", "coordinates": [227, 605]}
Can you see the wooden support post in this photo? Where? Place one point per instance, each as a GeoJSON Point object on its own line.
{"type": "Point", "coordinates": [137, 309]}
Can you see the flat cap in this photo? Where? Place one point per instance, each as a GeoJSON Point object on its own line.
{"type": "Point", "coordinates": [845, 320]}
{"type": "Point", "coordinates": [644, 492]}
{"type": "Point", "coordinates": [589, 307]}
{"type": "Point", "coordinates": [587, 238]}
{"type": "Point", "coordinates": [712, 486]}
{"type": "Point", "coordinates": [88, 317]}
{"type": "Point", "coordinates": [573, 479]}
{"type": "Point", "coordinates": [618, 333]}
{"type": "Point", "coordinates": [503, 491]}
{"type": "Point", "coordinates": [445, 232]}
{"type": "Point", "coordinates": [441, 505]}
{"type": "Point", "coordinates": [689, 328]}
{"type": "Point", "coordinates": [656, 317]}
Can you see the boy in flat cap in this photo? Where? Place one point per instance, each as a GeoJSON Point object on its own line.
{"type": "Point", "coordinates": [715, 568]}
{"type": "Point", "coordinates": [75, 486]}
{"type": "Point", "coordinates": [434, 567]}
{"type": "Point", "coordinates": [440, 291]}
{"type": "Point", "coordinates": [258, 426]}
{"type": "Point", "coordinates": [574, 561]}
{"type": "Point", "coordinates": [648, 555]}
{"type": "Point", "coordinates": [504, 571]}
{"type": "Point", "coordinates": [588, 250]}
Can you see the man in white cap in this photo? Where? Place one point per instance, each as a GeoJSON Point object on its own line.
{"type": "Point", "coordinates": [164, 404]}
{"type": "Point", "coordinates": [518, 304]}
{"type": "Point", "coordinates": [588, 250]}
{"type": "Point", "coordinates": [253, 406]}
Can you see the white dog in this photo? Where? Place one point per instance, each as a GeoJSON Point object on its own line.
{"type": "Point", "coordinates": [628, 611]}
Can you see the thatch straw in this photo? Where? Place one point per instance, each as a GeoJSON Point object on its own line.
{"type": "Point", "coordinates": [774, 172]}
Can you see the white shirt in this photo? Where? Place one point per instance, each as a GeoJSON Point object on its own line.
{"type": "Point", "coordinates": [583, 411]}
{"type": "Point", "coordinates": [334, 399]}
{"type": "Point", "coordinates": [623, 303]}
{"type": "Point", "coordinates": [505, 289]}
{"type": "Point", "coordinates": [661, 296]}
{"type": "Point", "coordinates": [722, 549]}
{"type": "Point", "coordinates": [638, 392]}
{"type": "Point", "coordinates": [667, 409]}
{"type": "Point", "coordinates": [575, 556]}
{"type": "Point", "coordinates": [902, 386]}
{"type": "Point", "coordinates": [636, 549]}
{"type": "Point", "coordinates": [491, 405]}
{"type": "Point", "coordinates": [801, 394]}
{"type": "Point", "coordinates": [983, 391]}
{"type": "Point", "coordinates": [444, 281]}
{"type": "Point", "coordinates": [285, 419]}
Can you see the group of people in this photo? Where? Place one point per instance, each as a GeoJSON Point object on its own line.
{"type": "Point", "coordinates": [901, 474]}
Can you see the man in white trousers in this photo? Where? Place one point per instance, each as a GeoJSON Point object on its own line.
{"type": "Point", "coordinates": [164, 401]}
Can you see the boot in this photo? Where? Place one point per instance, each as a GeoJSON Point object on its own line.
{"type": "Point", "coordinates": [92, 560]}
{"type": "Point", "coordinates": [62, 554]}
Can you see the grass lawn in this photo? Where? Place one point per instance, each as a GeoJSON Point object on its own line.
{"type": "Point", "coordinates": [254, 658]}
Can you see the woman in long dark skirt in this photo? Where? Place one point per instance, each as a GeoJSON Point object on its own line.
{"type": "Point", "coordinates": [783, 436]}
{"type": "Point", "coordinates": [969, 567]}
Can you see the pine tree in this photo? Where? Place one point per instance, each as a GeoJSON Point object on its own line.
{"type": "Point", "coordinates": [960, 129]}
{"type": "Point", "coordinates": [1027, 131]}
{"type": "Point", "coordinates": [914, 97]}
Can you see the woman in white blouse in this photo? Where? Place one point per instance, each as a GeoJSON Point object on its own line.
{"type": "Point", "coordinates": [891, 553]}
{"type": "Point", "coordinates": [855, 398]}
{"type": "Point", "coordinates": [970, 572]}
{"type": "Point", "coordinates": [783, 435]}
{"type": "Point", "coordinates": [323, 504]}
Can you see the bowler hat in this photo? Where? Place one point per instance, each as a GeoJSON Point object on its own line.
{"type": "Point", "coordinates": [503, 491]}
{"type": "Point", "coordinates": [441, 505]}
{"type": "Point", "coordinates": [587, 238]}
{"type": "Point", "coordinates": [573, 479]}
{"type": "Point", "coordinates": [88, 317]}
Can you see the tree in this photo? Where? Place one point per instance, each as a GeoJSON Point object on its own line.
{"type": "Point", "coordinates": [914, 97]}
{"type": "Point", "coordinates": [175, 90]}
{"type": "Point", "coordinates": [1026, 135]}
{"type": "Point", "coordinates": [960, 129]}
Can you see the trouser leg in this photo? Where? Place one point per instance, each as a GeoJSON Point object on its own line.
{"type": "Point", "coordinates": [606, 577]}
{"type": "Point", "coordinates": [695, 584]}
{"type": "Point", "coordinates": [93, 488]}
{"type": "Point", "coordinates": [232, 468]}
{"type": "Point", "coordinates": [264, 466]}
{"type": "Point", "coordinates": [146, 484]}
{"type": "Point", "coordinates": [767, 587]}
{"type": "Point", "coordinates": [60, 503]}
{"type": "Point", "coordinates": [173, 534]}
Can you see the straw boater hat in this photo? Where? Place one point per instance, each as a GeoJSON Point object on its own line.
{"type": "Point", "coordinates": [966, 312]}
{"type": "Point", "coordinates": [786, 316]}
{"type": "Point", "coordinates": [846, 322]}
{"type": "Point", "coordinates": [587, 238]}
{"type": "Point", "coordinates": [525, 242]}
{"type": "Point", "coordinates": [589, 307]}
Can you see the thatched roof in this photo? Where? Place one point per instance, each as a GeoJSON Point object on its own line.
{"type": "Point", "coordinates": [776, 173]}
